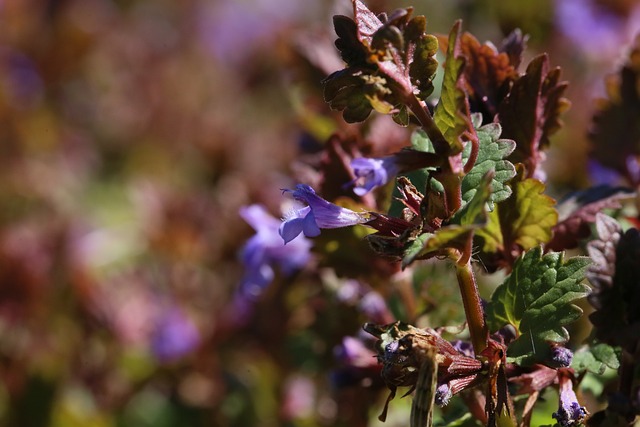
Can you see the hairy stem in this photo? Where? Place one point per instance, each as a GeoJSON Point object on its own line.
{"type": "Point", "coordinates": [472, 306]}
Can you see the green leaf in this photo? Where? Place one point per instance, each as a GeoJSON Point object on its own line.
{"type": "Point", "coordinates": [424, 65]}
{"type": "Point", "coordinates": [536, 299]}
{"type": "Point", "coordinates": [524, 221]}
{"type": "Point", "coordinates": [492, 153]}
{"type": "Point", "coordinates": [596, 358]}
{"type": "Point", "coordinates": [443, 242]}
{"type": "Point", "coordinates": [452, 115]}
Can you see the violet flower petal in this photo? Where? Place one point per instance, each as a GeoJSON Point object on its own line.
{"type": "Point", "coordinates": [372, 172]}
{"type": "Point", "coordinates": [319, 213]}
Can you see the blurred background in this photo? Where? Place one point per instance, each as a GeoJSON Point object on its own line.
{"type": "Point", "coordinates": [131, 134]}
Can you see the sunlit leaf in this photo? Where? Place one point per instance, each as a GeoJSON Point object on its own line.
{"type": "Point", "coordinates": [524, 220]}
{"type": "Point", "coordinates": [536, 298]}
{"type": "Point", "coordinates": [452, 114]}
{"type": "Point", "coordinates": [492, 153]}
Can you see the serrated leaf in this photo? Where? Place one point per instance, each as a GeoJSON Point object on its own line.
{"type": "Point", "coordinates": [388, 60]}
{"type": "Point", "coordinates": [366, 21]}
{"type": "Point", "coordinates": [536, 299]}
{"type": "Point", "coordinates": [616, 129]}
{"type": "Point", "coordinates": [524, 221]}
{"type": "Point", "coordinates": [488, 74]}
{"type": "Point", "coordinates": [423, 65]}
{"type": "Point", "coordinates": [345, 91]}
{"type": "Point", "coordinates": [492, 153]}
{"type": "Point", "coordinates": [351, 50]}
{"type": "Point", "coordinates": [531, 112]}
{"type": "Point", "coordinates": [452, 114]}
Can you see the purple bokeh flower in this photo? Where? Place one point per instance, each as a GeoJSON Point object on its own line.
{"type": "Point", "coordinates": [595, 30]}
{"type": "Point", "coordinates": [174, 335]}
{"type": "Point", "coordinates": [570, 413]}
{"type": "Point", "coordinates": [265, 250]}
{"type": "Point", "coordinates": [372, 172]}
{"type": "Point", "coordinates": [318, 214]}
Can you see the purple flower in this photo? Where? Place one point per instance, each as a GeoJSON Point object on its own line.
{"type": "Point", "coordinates": [443, 395]}
{"type": "Point", "coordinates": [174, 335]}
{"type": "Point", "coordinates": [318, 214]}
{"type": "Point", "coordinates": [561, 357]}
{"type": "Point", "coordinates": [265, 250]}
{"type": "Point", "coordinates": [570, 413]}
{"type": "Point", "coordinates": [372, 172]}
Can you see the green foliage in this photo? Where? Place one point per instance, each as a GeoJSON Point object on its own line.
{"type": "Point", "coordinates": [492, 153]}
{"type": "Point", "coordinates": [536, 299]}
{"type": "Point", "coordinates": [452, 114]}
{"type": "Point", "coordinates": [491, 157]}
{"type": "Point", "coordinates": [387, 61]}
{"type": "Point", "coordinates": [525, 219]}
{"type": "Point", "coordinates": [596, 358]}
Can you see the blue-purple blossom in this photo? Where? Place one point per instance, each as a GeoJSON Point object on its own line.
{"type": "Point", "coordinates": [464, 347]}
{"type": "Point", "coordinates": [372, 172]}
{"type": "Point", "coordinates": [265, 250]}
{"type": "Point", "coordinates": [443, 395]}
{"type": "Point", "coordinates": [570, 413]}
{"type": "Point", "coordinates": [319, 213]}
{"type": "Point", "coordinates": [174, 335]}
{"type": "Point", "coordinates": [561, 357]}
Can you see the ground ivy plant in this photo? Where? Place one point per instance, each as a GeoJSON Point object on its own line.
{"type": "Point", "coordinates": [468, 192]}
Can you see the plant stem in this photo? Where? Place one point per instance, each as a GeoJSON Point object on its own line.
{"type": "Point", "coordinates": [450, 180]}
{"type": "Point", "coordinates": [436, 137]}
{"type": "Point", "coordinates": [472, 306]}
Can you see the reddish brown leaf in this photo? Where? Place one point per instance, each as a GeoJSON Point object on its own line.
{"type": "Point", "coordinates": [579, 211]}
{"type": "Point", "coordinates": [514, 45]}
{"type": "Point", "coordinates": [531, 112]}
{"type": "Point", "coordinates": [488, 75]}
{"type": "Point", "coordinates": [367, 22]}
